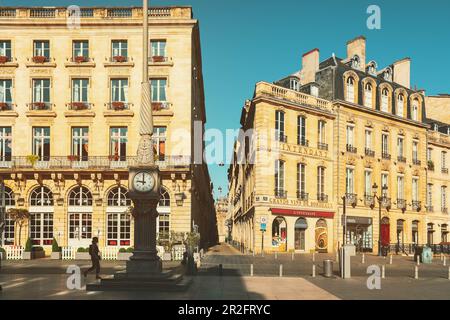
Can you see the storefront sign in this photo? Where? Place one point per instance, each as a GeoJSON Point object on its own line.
{"type": "Point", "coordinates": [358, 220]}
{"type": "Point", "coordinates": [302, 213]}
{"type": "Point", "coordinates": [302, 203]}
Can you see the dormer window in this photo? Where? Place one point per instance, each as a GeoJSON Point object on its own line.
{"type": "Point", "coordinates": [400, 104]}
{"type": "Point", "coordinates": [293, 84]}
{"type": "Point", "coordinates": [372, 68]}
{"type": "Point", "coordinates": [350, 92]}
{"type": "Point", "coordinates": [388, 74]}
{"type": "Point", "coordinates": [435, 127]}
{"type": "Point", "coordinates": [368, 95]}
{"type": "Point", "coordinates": [314, 90]}
{"type": "Point", "coordinates": [415, 110]}
{"type": "Point", "coordinates": [356, 62]}
{"type": "Point", "coordinates": [385, 100]}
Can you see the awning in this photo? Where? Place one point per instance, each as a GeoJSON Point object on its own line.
{"type": "Point", "coordinates": [302, 213]}
{"type": "Point", "coordinates": [301, 224]}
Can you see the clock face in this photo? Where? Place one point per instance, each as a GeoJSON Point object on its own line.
{"type": "Point", "coordinates": [143, 181]}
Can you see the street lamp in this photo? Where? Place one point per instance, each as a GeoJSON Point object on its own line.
{"type": "Point", "coordinates": [380, 200]}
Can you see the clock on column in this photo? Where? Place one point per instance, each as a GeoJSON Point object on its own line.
{"type": "Point", "coordinates": [144, 182]}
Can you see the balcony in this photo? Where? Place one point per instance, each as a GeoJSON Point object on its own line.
{"type": "Point", "coordinates": [351, 199]}
{"type": "Point", "coordinates": [444, 210]}
{"type": "Point", "coordinates": [430, 165]}
{"type": "Point", "coordinates": [6, 106]}
{"type": "Point", "coordinates": [386, 202]}
{"type": "Point", "coordinates": [351, 148]}
{"type": "Point", "coordinates": [281, 137]}
{"type": "Point", "coordinates": [280, 193]}
{"type": "Point", "coordinates": [40, 106]}
{"type": "Point", "coordinates": [429, 208]}
{"type": "Point", "coordinates": [416, 205]}
{"type": "Point", "coordinates": [302, 142]}
{"type": "Point", "coordinates": [417, 162]}
{"type": "Point", "coordinates": [401, 159]}
{"type": "Point", "coordinates": [369, 201]}
{"type": "Point", "coordinates": [119, 61]}
{"type": "Point", "coordinates": [385, 156]}
{"type": "Point", "coordinates": [80, 61]}
{"type": "Point", "coordinates": [118, 105]}
{"type": "Point", "coordinates": [444, 170]}
{"type": "Point", "coordinates": [322, 146]}
{"type": "Point", "coordinates": [401, 204]}
{"type": "Point", "coordinates": [369, 153]}
{"type": "Point", "coordinates": [322, 197]}
{"type": "Point", "coordinates": [40, 61]}
{"type": "Point", "coordinates": [79, 106]}
{"type": "Point", "coordinates": [160, 105]}
{"type": "Point", "coordinates": [160, 61]}
{"type": "Point", "coordinates": [32, 163]}
{"type": "Point", "coordinates": [302, 196]}
{"type": "Point", "coordinates": [7, 61]}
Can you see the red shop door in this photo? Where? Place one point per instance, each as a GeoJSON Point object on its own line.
{"type": "Point", "coordinates": [385, 239]}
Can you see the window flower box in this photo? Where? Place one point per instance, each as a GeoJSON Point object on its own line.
{"type": "Point", "coordinates": [73, 158]}
{"type": "Point", "coordinates": [39, 105]}
{"type": "Point", "coordinates": [80, 59]}
{"type": "Point", "coordinates": [157, 106]}
{"type": "Point", "coordinates": [79, 106]}
{"type": "Point", "coordinates": [4, 106]}
{"type": "Point", "coordinates": [113, 157]}
{"type": "Point", "coordinates": [39, 59]}
{"type": "Point", "coordinates": [159, 59]}
{"type": "Point", "coordinates": [119, 59]}
{"type": "Point", "coordinates": [118, 105]}
{"type": "Point", "coordinates": [4, 59]}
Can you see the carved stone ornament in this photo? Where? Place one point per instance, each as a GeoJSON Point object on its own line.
{"type": "Point", "coordinates": [144, 207]}
{"type": "Point", "coordinates": [145, 151]}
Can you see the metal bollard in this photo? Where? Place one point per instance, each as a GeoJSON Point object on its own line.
{"type": "Point", "coordinates": [313, 257]}
{"type": "Point", "coordinates": [383, 272]}
{"type": "Point", "coordinates": [220, 269]}
{"type": "Point", "coordinates": [251, 270]}
{"type": "Point", "coordinates": [390, 258]}
{"type": "Point", "coordinates": [442, 256]}
{"type": "Point", "coordinates": [363, 258]}
{"type": "Point", "coordinates": [253, 253]}
{"type": "Point", "coordinates": [416, 272]}
{"type": "Point", "coordinates": [418, 260]}
{"type": "Point", "coordinates": [313, 270]}
{"type": "Point", "coordinates": [276, 255]}
{"type": "Point", "coordinates": [281, 270]}
{"type": "Point", "coordinates": [448, 273]}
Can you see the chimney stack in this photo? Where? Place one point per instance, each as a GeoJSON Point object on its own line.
{"type": "Point", "coordinates": [310, 65]}
{"type": "Point", "coordinates": [357, 47]}
{"type": "Point", "coordinates": [402, 72]}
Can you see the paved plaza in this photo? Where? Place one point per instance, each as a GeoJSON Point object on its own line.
{"type": "Point", "coordinates": [46, 279]}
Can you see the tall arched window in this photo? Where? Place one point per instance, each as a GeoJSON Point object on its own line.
{"type": "Point", "coordinates": [368, 95]}
{"type": "Point", "coordinates": [400, 104]}
{"type": "Point", "coordinates": [118, 219]}
{"type": "Point", "coordinates": [41, 216]}
{"type": "Point", "coordinates": [415, 110]}
{"type": "Point", "coordinates": [8, 233]}
{"type": "Point", "coordinates": [350, 92]}
{"type": "Point", "coordinates": [385, 100]}
{"type": "Point", "coordinates": [164, 215]}
{"type": "Point", "coordinates": [80, 217]}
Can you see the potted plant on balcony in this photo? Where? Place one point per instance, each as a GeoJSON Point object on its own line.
{"type": "Point", "coordinates": [39, 59]}
{"type": "Point", "coordinates": [4, 59]}
{"type": "Point", "coordinates": [80, 59]}
{"type": "Point", "coordinates": [73, 157]}
{"type": "Point", "coordinates": [56, 250]}
{"type": "Point", "coordinates": [32, 159]}
{"type": "Point", "coordinates": [430, 165]}
{"type": "Point", "coordinates": [158, 58]}
{"type": "Point", "coordinates": [4, 106]}
{"type": "Point", "coordinates": [119, 59]}
{"type": "Point", "coordinates": [38, 105]}
{"type": "Point", "coordinates": [79, 105]}
{"type": "Point", "coordinates": [82, 254]}
{"type": "Point", "coordinates": [156, 106]}
{"type": "Point", "coordinates": [118, 105]}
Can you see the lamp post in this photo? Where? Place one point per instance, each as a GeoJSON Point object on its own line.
{"type": "Point", "coordinates": [2, 218]}
{"type": "Point", "coordinates": [380, 200]}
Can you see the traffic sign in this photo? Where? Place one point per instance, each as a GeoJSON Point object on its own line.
{"type": "Point", "coordinates": [263, 227]}
{"type": "Point", "coordinates": [264, 219]}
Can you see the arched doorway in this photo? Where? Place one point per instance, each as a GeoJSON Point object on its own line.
{"type": "Point", "coordinates": [279, 234]}
{"type": "Point", "coordinates": [400, 235]}
{"type": "Point", "coordinates": [80, 217]}
{"type": "Point", "coordinates": [321, 236]}
{"type": "Point", "coordinates": [163, 220]}
{"type": "Point", "coordinates": [300, 229]}
{"type": "Point", "coordinates": [41, 216]}
{"type": "Point", "coordinates": [118, 230]}
{"type": "Point", "coordinates": [385, 232]}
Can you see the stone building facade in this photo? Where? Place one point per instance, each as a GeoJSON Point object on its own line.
{"type": "Point", "coordinates": [69, 122]}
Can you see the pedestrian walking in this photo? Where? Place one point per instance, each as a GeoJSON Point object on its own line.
{"type": "Point", "coordinates": [94, 252]}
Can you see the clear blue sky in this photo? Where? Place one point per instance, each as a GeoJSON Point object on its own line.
{"type": "Point", "coordinates": [246, 41]}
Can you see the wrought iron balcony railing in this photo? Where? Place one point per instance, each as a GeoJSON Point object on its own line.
{"type": "Point", "coordinates": [444, 170]}
{"type": "Point", "coordinates": [429, 208]}
{"type": "Point", "coordinates": [416, 205]}
{"type": "Point", "coordinates": [444, 210]}
{"type": "Point", "coordinates": [303, 196]}
{"type": "Point", "coordinates": [280, 193]}
{"type": "Point", "coordinates": [118, 105]}
{"type": "Point", "coordinates": [401, 204]}
{"type": "Point", "coordinates": [368, 152]}
{"type": "Point", "coordinates": [80, 59]}
{"type": "Point", "coordinates": [322, 197]}
{"type": "Point", "coordinates": [322, 146]}
{"type": "Point", "coordinates": [91, 162]}
{"type": "Point", "coordinates": [40, 106]}
{"type": "Point", "coordinates": [369, 200]}
{"type": "Point", "coordinates": [386, 156]}
{"type": "Point", "coordinates": [417, 162]}
{"type": "Point", "coordinates": [6, 106]}
{"type": "Point", "coordinates": [302, 141]}
{"type": "Point", "coordinates": [78, 106]}
{"type": "Point", "coordinates": [281, 137]}
{"type": "Point", "coordinates": [351, 199]}
{"type": "Point", "coordinates": [351, 148]}
{"type": "Point", "coordinates": [386, 202]}
{"type": "Point", "coordinates": [119, 59]}
{"type": "Point", "coordinates": [401, 159]}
